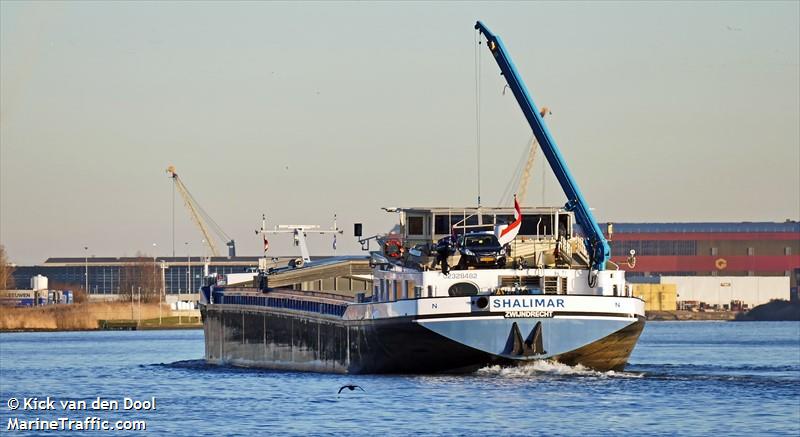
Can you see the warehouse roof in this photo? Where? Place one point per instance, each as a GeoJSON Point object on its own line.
{"type": "Point", "coordinates": [705, 227]}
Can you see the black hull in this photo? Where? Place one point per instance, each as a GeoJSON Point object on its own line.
{"type": "Point", "coordinates": [274, 339]}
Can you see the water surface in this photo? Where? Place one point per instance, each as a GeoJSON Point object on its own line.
{"type": "Point", "coordinates": [684, 377]}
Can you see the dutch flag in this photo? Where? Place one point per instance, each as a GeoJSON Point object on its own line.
{"type": "Point", "coordinates": [507, 233]}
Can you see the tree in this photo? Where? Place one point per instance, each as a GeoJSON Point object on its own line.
{"type": "Point", "coordinates": [141, 273]}
{"type": "Point", "coordinates": [6, 271]}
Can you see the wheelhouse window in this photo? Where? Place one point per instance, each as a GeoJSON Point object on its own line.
{"type": "Point", "coordinates": [443, 223]}
{"type": "Point", "coordinates": [415, 225]}
{"type": "Point", "coordinates": [536, 225]}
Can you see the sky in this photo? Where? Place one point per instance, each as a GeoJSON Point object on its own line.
{"type": "Point", "coordinates": [673, 111]}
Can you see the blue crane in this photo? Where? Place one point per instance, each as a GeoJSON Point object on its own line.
{"type": "Point", "coordinates": [596, 243]}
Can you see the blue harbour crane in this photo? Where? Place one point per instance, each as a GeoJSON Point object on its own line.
{"type": "Point", "coordinates": [595, 241]}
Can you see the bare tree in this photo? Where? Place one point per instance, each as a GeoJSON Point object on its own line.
{"type": "Point", "coordinates": [141, 274]}
{"type": "Point", "coordinates": [6, 270]}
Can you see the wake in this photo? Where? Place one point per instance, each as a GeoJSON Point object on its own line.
{"type": "Point", "coordinates": [548, 368]}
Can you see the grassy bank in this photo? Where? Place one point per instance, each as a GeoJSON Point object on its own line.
{"type": "Point", "coordinates": [171, 322]}
{"type": "Point", "coordinates": [82, 316]}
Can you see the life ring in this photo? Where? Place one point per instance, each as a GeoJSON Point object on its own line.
{"type": "Point", "coordinates": [721, 263]}
{"type": "Point", "coordinates": [393, 248]}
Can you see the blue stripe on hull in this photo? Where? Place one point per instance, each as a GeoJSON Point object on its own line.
{"type": "Point", "coordinates": [494, 336]}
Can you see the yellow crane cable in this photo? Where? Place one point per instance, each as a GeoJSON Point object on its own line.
{"type": "Point", "coordinates": [522, 191]}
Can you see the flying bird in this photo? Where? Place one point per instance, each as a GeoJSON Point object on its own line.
{"type": "Point", "coordinates": [351, 387]}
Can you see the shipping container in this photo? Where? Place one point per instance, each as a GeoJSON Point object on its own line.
{"type": "Point", "coordinates": [17, 298]}
{"type": "Point", "coordinates": [657, 297]}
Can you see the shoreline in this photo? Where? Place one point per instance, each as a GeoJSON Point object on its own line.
{"type": "Point", "coordinates": [96, 316]}
{"type": "Point", "coordinates": [116, 317]}
{"type": "Point", "coordinates": [688, 316]}
{"type": "Point", "coordinates": [159, 328]}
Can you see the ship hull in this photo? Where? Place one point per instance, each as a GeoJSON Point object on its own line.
{"type": "Point", "coordinates": [244, 336]}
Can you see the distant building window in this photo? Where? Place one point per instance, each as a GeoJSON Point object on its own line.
{"type": "Point", "coordinates": [787, 250]}
{"type": "Point", "coordinates": [714, 251]}
{"type": "Point", "coordinates": [751, 251]}
{"type": "Point", "coordinates": [415, 226]}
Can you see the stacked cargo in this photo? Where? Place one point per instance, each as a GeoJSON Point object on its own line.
{"type": "Point", "coordinates": [657, 297]}
{"type": "Point", "coordinates": [37, 297]}
{"type": "Point", "coordinates": [17, 298]}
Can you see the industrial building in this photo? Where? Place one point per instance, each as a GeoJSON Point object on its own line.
{"type": "Point", "coordinates": [107, 275]}
{"type": "Point", "coordinates": [708, 249]}
{"type": "Point", "coordinates": [673, 250]}
{"type": "Point", "coordinates": [735, 293]}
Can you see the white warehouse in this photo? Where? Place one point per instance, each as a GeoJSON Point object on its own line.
{"type": "Point", "coordinates": [721, 290]}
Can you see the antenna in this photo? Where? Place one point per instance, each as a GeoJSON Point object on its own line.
{"type": "Point", "coordinates": [299, 232]}
{"type": "Point", "coordinates": [478, 109]}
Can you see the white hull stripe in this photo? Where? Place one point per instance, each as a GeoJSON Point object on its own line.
{"type": "Point", "coordinates": [621, 317]}
{"type": "Point", "coordinates": [450, 319]}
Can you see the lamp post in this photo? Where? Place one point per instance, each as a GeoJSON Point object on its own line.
{"type": "Point", "coordinates": [163, 290]}
{"type": "Point", "coordinates": [205, 261]}
{"type": "Point", "coordinates": [155, 288]}
{"type": "Point", "coordinates": [154, 265]}
{"type": "Point", "coordinates": [86, 270]}
{"type": "Point", "coordinates": [188, 269]}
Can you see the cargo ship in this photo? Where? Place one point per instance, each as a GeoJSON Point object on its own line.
{"type": "Point", "coordinates": [454, 290]}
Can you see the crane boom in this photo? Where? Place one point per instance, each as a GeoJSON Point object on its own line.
{"type": "Point", "coordinates": [197, 213]}
{"type": "Point", "coordinates": [596, 243]}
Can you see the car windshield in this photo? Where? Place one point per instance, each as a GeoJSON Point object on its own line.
{"type": "Point", "coordinates": [481, 241]}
